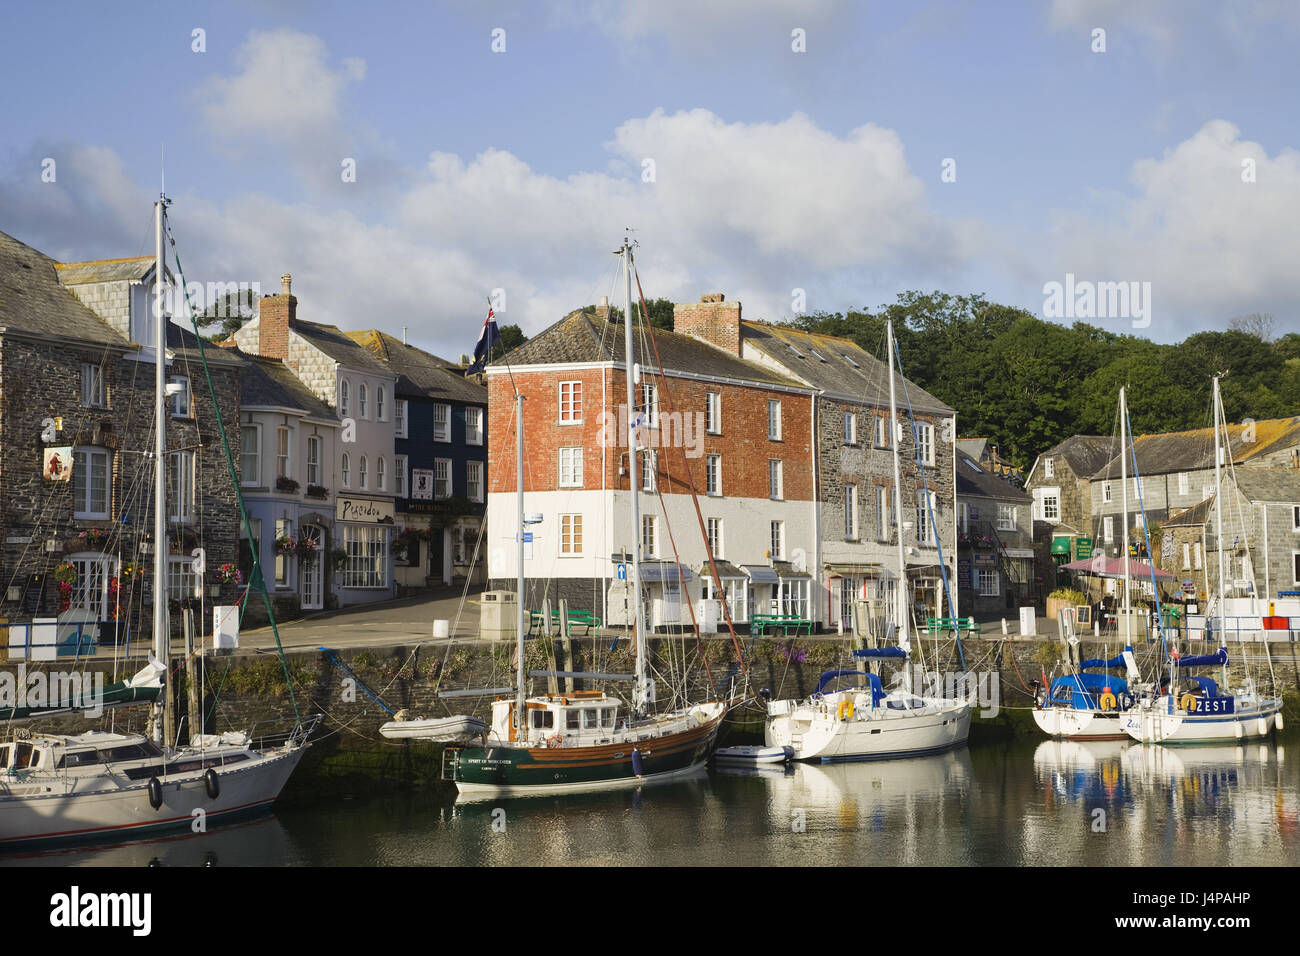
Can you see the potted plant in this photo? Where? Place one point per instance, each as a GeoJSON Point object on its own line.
{"type": "Point", "coordinates": [1063, 598]}
{"type": "Point", "coordinates": [317, 491]}
{"type": "Point", "coordinates": [287, 485]}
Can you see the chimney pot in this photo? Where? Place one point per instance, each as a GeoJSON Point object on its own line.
{"type": "Point", "coordinates": [286, 282]}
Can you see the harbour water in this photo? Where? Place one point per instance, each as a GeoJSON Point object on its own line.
{"type": "Point", "coordinates": [1029, 802]}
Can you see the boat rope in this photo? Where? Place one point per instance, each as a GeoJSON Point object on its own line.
{"type": "Point", "coordinates": [256, 577]}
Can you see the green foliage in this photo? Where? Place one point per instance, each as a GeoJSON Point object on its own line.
{"type": "Point", "coordinates": [1068, 594]}
{"type": "Point", "coordinates": [1027, 384]}
{"type": "Point", "coordinates": [509, 338]}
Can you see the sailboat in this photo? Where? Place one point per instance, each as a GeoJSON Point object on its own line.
{"type": "Point", "coordinates": [81, 787]}
{"type": "Point", "coordinates": [1195, 709]}
{"type": "Point", "coordinates": [1083, 706]}
{"type": "Point", "coordinates": [864, 721]}
{"type": "Point", "coordinates": [583, 740]}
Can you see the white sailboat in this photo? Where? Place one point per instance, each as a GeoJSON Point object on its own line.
{"type": "Point", "coordinates": [1194, 709]}
{"type": "Point", "coordinates": [583, 740]}
{"type": "Point", "coordinates": [863, 721]}
{"type": "Point", "coordinates": [81, 787]}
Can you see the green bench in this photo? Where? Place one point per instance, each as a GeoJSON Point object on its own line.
{"type": "Point", "coordinates": [585, 619]}
{"type": "Point", "coordinates": [790, 623]}
{"type": "Point", "coordinates": [965, 625]}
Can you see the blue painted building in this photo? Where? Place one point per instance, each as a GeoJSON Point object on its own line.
{"type": "Point", "coordinates": [440, 450]}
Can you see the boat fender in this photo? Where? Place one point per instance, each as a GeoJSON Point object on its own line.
{"type": "Point", "coordinates": [1277, 720]}
{"type": "Point", "coordinates": [1261, 727]}
{"type": "Point", "coordinates": [1108, 701]}
{"type": "Point", "coordinates": [1239, 730]}
{"type": "Point", "coordinates": [638, 765]}
{"type": "Point", "coordinates": [846, 710]}
{"type": "Point", "coordinates": [1187, 702]}
{"type": "Point", "coordinates": [211, 783]}
{"type": "Point", "coordinates": [155, 792]}
{"type": "Point", "coordinates": [1125, 700]}
{"type": "Point", "coordinates": [555, 740]}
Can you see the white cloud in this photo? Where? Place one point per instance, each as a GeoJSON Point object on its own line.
{"type": "Point", "coordinates": [1212, 245]}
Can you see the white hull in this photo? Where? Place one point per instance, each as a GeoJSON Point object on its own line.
{"type": "Point", "coordinates": [437, 729]}
{"type": "Point", "coordinates": [469, 792]}
{"type": "Point", "coordinates": [48, 805]}
{"type": "Point", "coordinates": [1155, 725]}
{"type": "Point", "coordinates": [1079, 724]}
{"type": "Point", "coordinates": [817, 730]}
{"type": "Point", "coordinates": [753, 755]}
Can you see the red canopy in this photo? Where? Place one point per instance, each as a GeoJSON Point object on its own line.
{"type": "Point", "coordinates": [1104, 567]}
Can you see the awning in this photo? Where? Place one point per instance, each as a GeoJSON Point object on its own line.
{"type": "Point", "coordinates": [852, 568]}
{"type": "Point", "coordinates": [659, 572]}
{"type": "Point", "coordinates": [1061, 545]}
{"type": "Point", "coordinates": [760, 574]}
{"type": "Point", "coordinates": [726, 570]}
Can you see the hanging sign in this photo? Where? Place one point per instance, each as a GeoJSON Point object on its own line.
{"type": "Point", "coordinates": [1083, 548]}
{"type": "Point", "coordinates": [422, 484]}
{"type": "Point", "coordinates": [57, 464]}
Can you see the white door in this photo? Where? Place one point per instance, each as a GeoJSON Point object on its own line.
{"type": "Point", "coordinates": [672, 613]}
{"type": "Point", "coordinates": [313, 578]}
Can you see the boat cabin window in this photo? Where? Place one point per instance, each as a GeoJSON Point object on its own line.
{"type": "Point", "coordinates": [79, 758]}
{"type": "Point", "coordinates": [543, 718]}
{"type": "Point", "coordinates": [572, 719]}
{"type": "Point", "coordinates": [589, 718]}
{"type": "Point", "coordinates": [914, 703]}
{"type": "Point", "coordinates": [607, 717]}
{"type": "Point", "coordinates": [26, 756]}
{"type": "Point", "coordinates": [6, 754]}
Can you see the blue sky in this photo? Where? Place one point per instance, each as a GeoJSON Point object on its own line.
{"type": "Point", "coordinates": [774, 170]}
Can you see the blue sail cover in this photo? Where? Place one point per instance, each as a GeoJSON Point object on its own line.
{"type": "Point", "coordinates": [1083, 691]}
{"type": "Point", "coordinates": [880, 652]}
{"type": "Point", "coordinates": [873, 680]}
{"type": "Point", "coordinates": [1116, 661]}
{"type": "Point", "coordinates": [1219, 659]}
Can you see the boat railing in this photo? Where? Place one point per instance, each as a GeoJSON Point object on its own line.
{"type": "Point", "coordinates": [292, 738]}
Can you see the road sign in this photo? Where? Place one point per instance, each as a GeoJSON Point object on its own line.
{"type": "Point", "coordinates": [622, 572]}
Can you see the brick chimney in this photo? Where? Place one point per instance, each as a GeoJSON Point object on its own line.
{"type": "Point", "coordinates": [602, 310]}
{"type": "Point", "coordinates": [711, 320]}
{"type": "Point", "coordinates": [277, 313]}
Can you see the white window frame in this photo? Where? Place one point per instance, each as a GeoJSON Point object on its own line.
{"type": "Point", "coordinates": [1108, 529]}
{"type": "Point", "coordinates": [90, 591]}
{"type": "Point", "coordinates": [713, 533]}
{"type": "Point", "coordinates": [181, 487]}
{"type": "Point", "coordinates": [381, 474]}
{"type": "Point", "coordinates": [883, 523]}
{"type": "Point", "coordinates": [1107, 492]}
{"type": "Point", "coordinates": [923, 434]}
{"type": "Point", "coordinates": [649, 536]}
{"type": "Point", "coordinates": [989, 582]}
{"type": "Point", "coordinates": [881, 437]}
{"type": "Point", "coordinates": [713, 476]}
{"type": "Point", "coordinates": [315, 448]}
{"type": "Point", "coordinates": [570, 402]}
{"type": "Point", "coordinates": [570, 535]}
{"type": "Point", "coordinates": [362, 394]}
{"type": "Point", "coordinates": [381, 403]}
{"type": "Point", "coordinates": [922, 520]}
{"type": "Point", "coordinates": [473, 425]}
{"type": "Point", "coordinates": [473, 479]}
{"type": "Point", "coordinates": [649, 469]}
{"type": "Point", "coordinates": [363, 473]}
{"type": "Point", "coordinates": [345, 398]}
{"type": "Point", "coordinates": [345, 469]}
{"type": "Point", "coordinates": [283, 451]}
{"type": "Point", "coordinates": [1198, 555]}
{"type": "Point", "coordinates": [443, 433]}
{"type": "Point", "coordinates": [182, 582]}
{"type": "Point", "coordinates": [1049, 467]}
{"type": "Point", "coordinates": [400, 484]}
{"type": "Point", "coordinates": [255, 457]}
{"type": "Point", "coordinates": [650, 404]}
{"type": "Point", "coordinates": [773, 419]}
{"type": "Point", "coordinates": [569, 462]}
{"type": "Point", "coordinates": [83, 508]}
{"type": "Point", "coordinates": [92, 385]}
{"type": "Point", "coordinates": [365, 565]}
{"type": "Point", "coordinates": [442, 465]}
{"type": "Point", "coordinates": [850, 428]}
{"type": "Point", "coordinates": [403, 408]}
{"type": "Point", "coordinates": [777, 540]}
{"type": "Point", "coordinates": [1295, 517]}
{"type": "Point", "coordinates": [1006, 517]}
{"type": "Point", "coordinates": [775, 479]}
{"type": "Point", "coordinates": [180, 404]}
{"type": "Point", "coordinates": [1187, 556]}
{"type": "Point", "coordinates": [851, 512]}
{"type": "Point", "coordinates": [713, 413]}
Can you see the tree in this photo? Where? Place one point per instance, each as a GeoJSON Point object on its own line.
{"type": "Point", "coordinates": [660, 312]}
{"type": "Point", "coordinates": [231, 311]}
{"type": "Point", "coordinates": [1258, 324]}
{"type": "Point", "coordinates": [509, 338]}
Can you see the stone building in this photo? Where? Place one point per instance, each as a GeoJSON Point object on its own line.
{"type": "Point", "coordinates": [1261, 535]}
{"type": "Point", "coordinates": [856, 550]}
{"type": "Point", "coordinates": [440, 463]}
{"type": "Point", "coordinates": [360, 392]}
{"type": "Point", "coordinates": [995, 541]}
{"type": "Point", "coordinates": [1060, 482]}
{"type": "Point", "coordinates": [76, 440]}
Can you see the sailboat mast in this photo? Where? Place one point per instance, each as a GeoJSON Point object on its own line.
{"type": "Point", "coordinates": [521, 710]}
{"type": "Point", "coordinates": [903, 640]}
{"type": "Point", "coordinates": [161, 638]}
{"type": "Point", "coordinates": [1126, 627]}
{"type": "Point", "coordinates": [640, 691]}
{"type": "Point", "coordinates": [1218, 497]}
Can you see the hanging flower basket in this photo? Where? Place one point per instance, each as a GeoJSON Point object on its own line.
{"type": "Point", "coordinates": [287, 485]}
{"type": "Point", "coordinates": [317, 491]}
{"type": "Point", "coordinates": [286, 545]}
{"type": "Point", "coordinates": [230, 574]}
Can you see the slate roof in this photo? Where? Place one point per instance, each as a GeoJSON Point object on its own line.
{"type": "Point", "coordinates": [1192, 517]}
{"type": "Point", "coordinates": [335, 343]}
{"type": "Point", "coordinates": [584, 337]}
{"type": "Point", "coordinates": [32, 300]}
{"type": "Point", "coordinates": [1278, 485]}
{"type": "Point", "coordinates": [105, 270]}
{"type": "Point", "coordinates": [1193, 450]}
{"type": "Point", "coordinates": [268, 382]}
{"type": "Point", "coordinates": [1083, 453]}
{"type": "Point", "coordinates": [832, 372]}
{"type": "Point", "coordinates": [419, 372]}
{"type": "Point", "coordinates": [975, 481]}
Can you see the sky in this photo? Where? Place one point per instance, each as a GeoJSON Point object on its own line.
{"type": "Point", "coordinates": [406, 162]}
